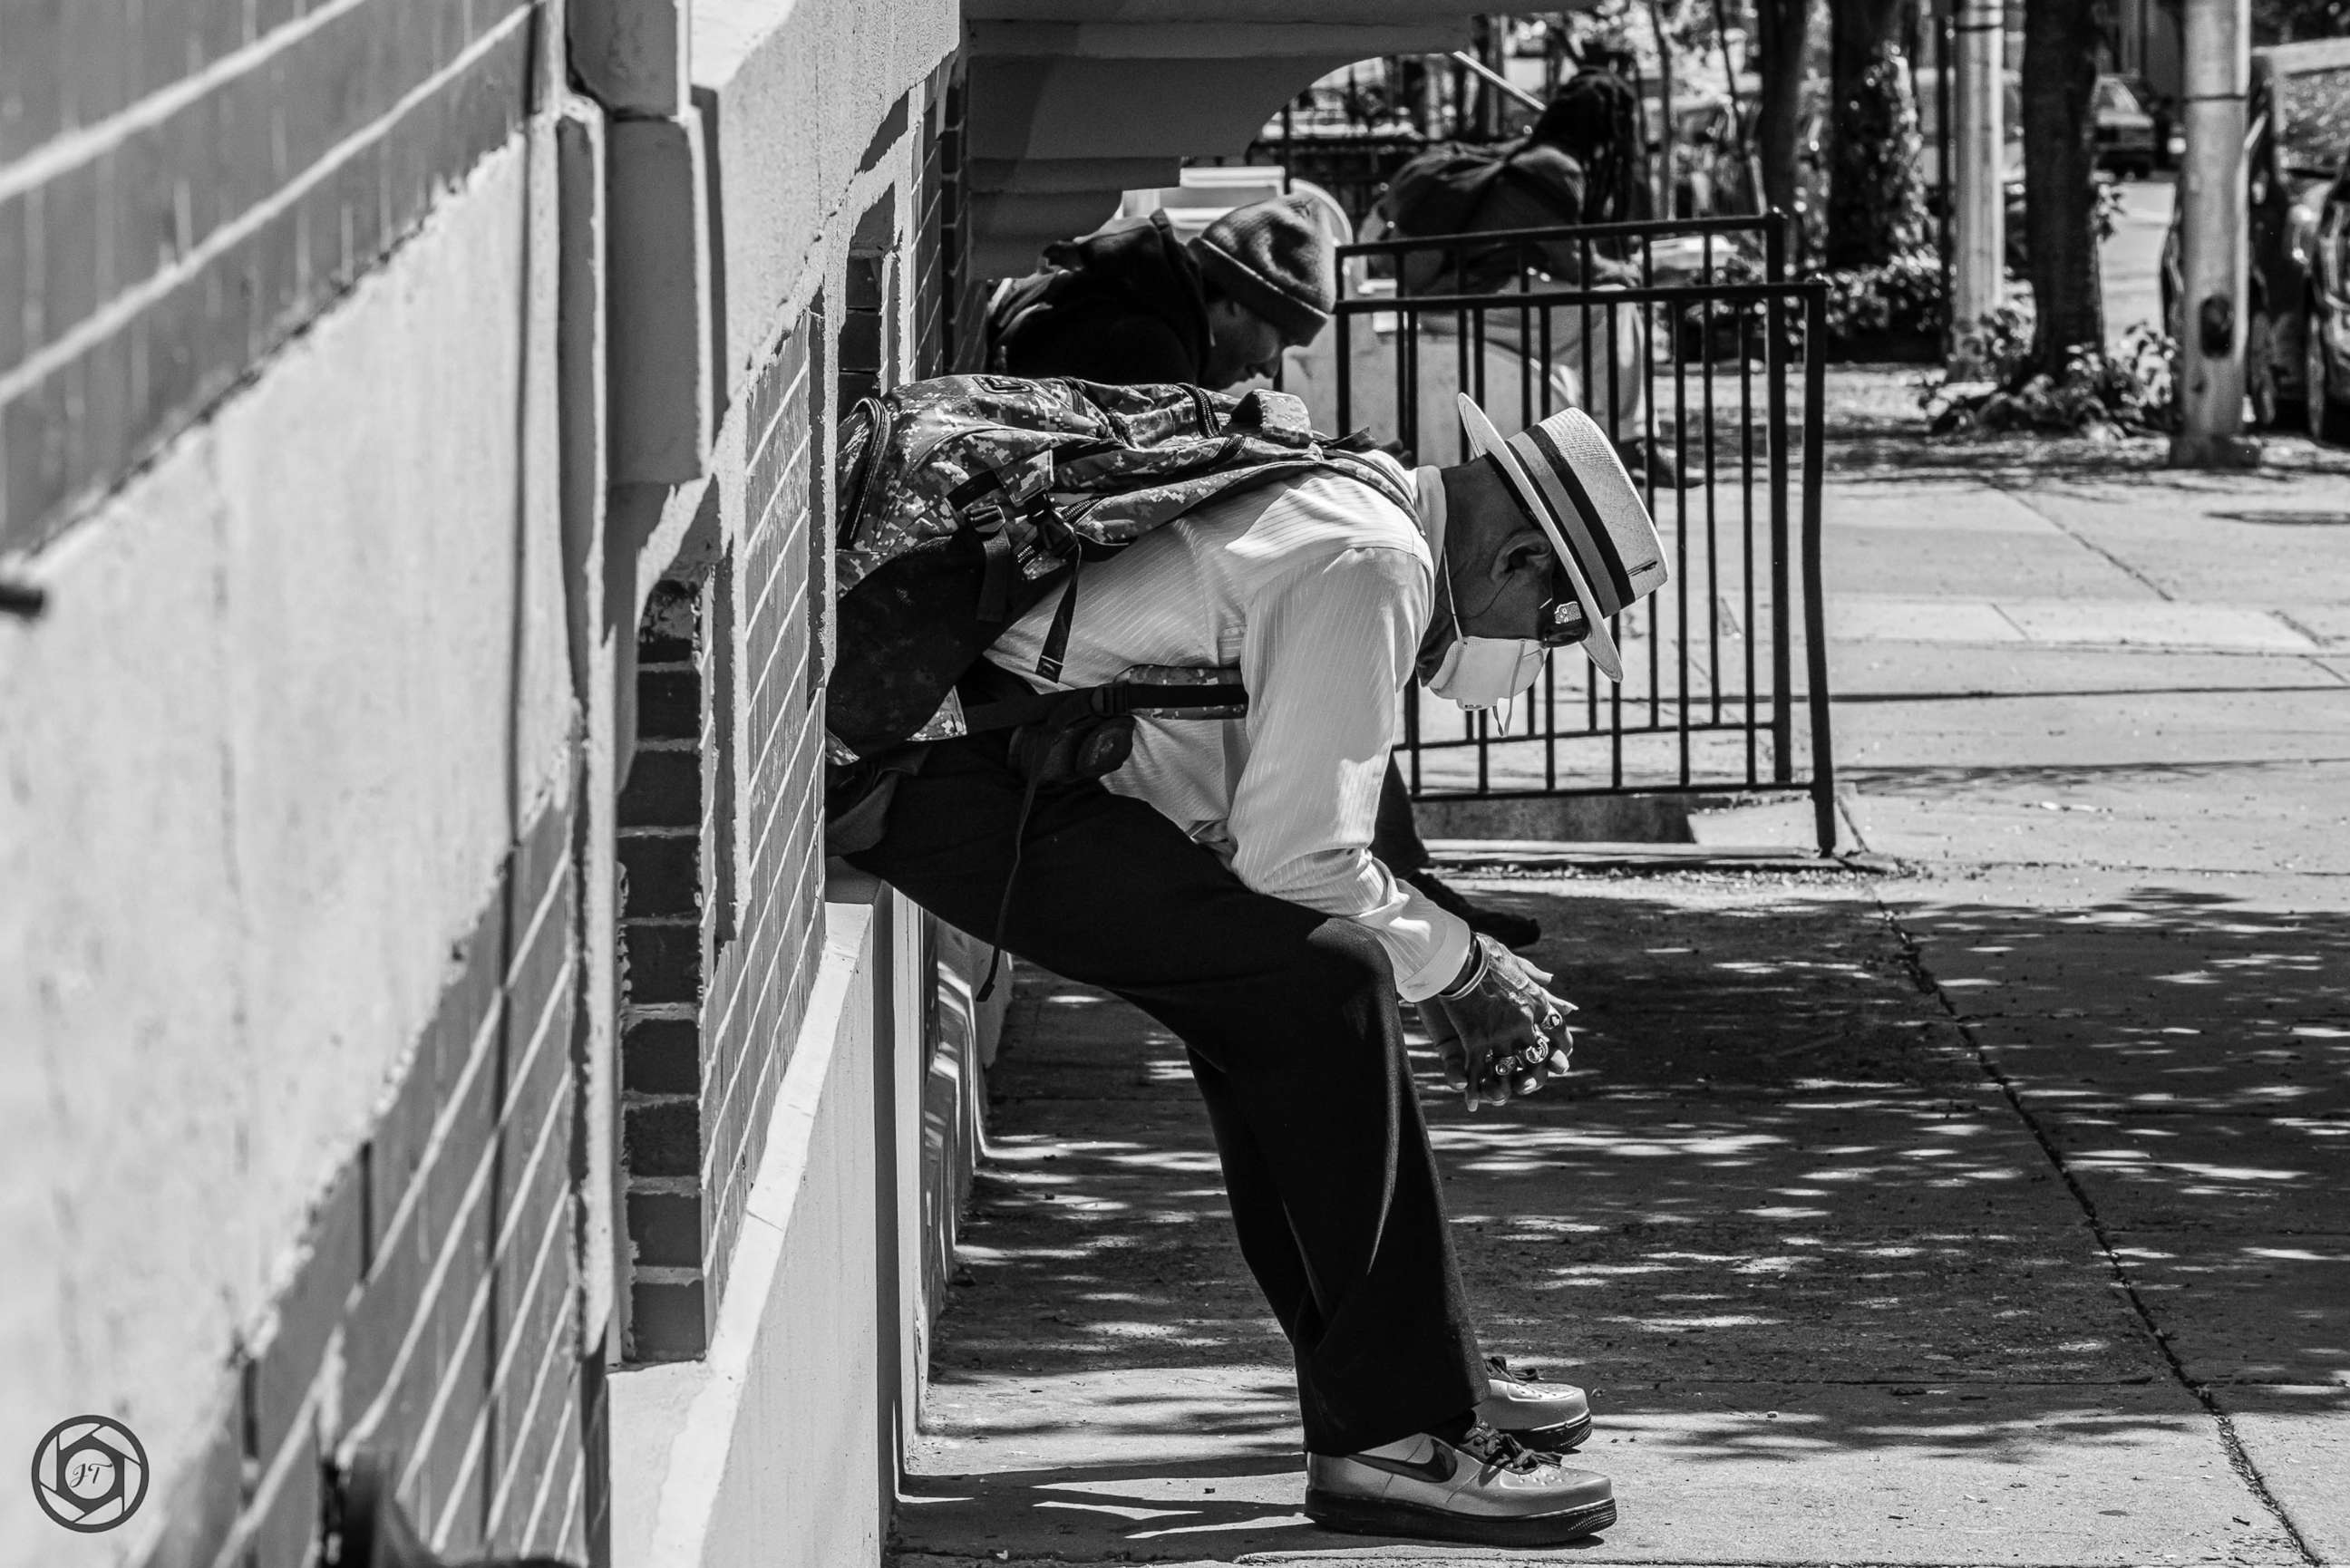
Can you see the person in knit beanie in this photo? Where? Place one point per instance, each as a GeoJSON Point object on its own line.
{"type": "Point", "coordinates": [1135, 304]}
{"type": "Point", "coordinates": [1271, 277]}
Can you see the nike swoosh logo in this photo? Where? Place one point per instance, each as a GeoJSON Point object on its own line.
{"type": "Point", "coordinates": [1437, 1466]}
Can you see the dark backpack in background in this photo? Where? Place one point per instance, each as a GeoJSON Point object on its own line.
{"type": "Point", "coordinates": [1444, 190]}
{"type": "Point", "coordinates": [1463, 189]}
{"type": "Point", "coordinates": [1019, 302]}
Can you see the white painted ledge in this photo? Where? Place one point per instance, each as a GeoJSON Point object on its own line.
{"type": "Point", "coordinates": [776, 1448]}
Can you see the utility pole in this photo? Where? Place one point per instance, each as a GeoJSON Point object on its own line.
{"type": "Point", "coordinates": [1979, 162]}
{"type": "Point", "coordinates": [2212, 259]}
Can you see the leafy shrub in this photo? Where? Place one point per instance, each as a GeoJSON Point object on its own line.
{"type": "Point", "coordinates": [1866, 306]}
{"type": "Point", "coordinates": [1901, 298]}
{"type": "Point", "coordinates": [2132, 392]}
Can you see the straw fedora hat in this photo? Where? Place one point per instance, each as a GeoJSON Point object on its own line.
{"type": "Point", "coordinates": [1568, 477]}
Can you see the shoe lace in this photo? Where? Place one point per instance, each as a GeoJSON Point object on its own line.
{"type": "Point", "coordinates": [1497, 1450]}
{"type": "Point", "coordinates": [1501, 1368]}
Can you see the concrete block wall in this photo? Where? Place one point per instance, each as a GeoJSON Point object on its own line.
{"type": "Point", "coordinates": [427, 1310]}
{"type": "Point", "coordinates": [184, 184]}
{"type": "Point", "coordinates": [415, 767]}
{"type": "Point", "coordinates": [293, 949]}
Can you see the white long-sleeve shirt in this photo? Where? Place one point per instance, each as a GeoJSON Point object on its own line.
{"type": "Point", "coordinates": [1319, 590]}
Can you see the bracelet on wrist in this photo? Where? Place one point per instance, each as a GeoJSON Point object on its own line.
{"type": "Point", "coordinates": [1471, 975]}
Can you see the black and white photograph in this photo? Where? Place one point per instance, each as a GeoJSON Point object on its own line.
{"type": "Point", "coordinates": [924, 783]}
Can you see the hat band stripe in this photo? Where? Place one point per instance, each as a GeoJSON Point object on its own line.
{"type": "Point", "coordinates": [1486, 442]}
{"type": "Point", "coordinates": [1555, 476]}
{"type": "Point", "coordinates": [1619, 575]}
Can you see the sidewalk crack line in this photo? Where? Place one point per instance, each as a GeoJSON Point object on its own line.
{"type": "Point", "coordinates": [1913, 960]}
{"type": "Point", "coordinates": [2025, 500]}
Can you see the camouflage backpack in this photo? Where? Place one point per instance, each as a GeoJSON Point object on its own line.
{"type": "Point", "coordinates": [964, 500]}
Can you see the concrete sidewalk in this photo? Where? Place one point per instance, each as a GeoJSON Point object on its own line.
{"type": "Point", "coordinates": [1993, 1210]}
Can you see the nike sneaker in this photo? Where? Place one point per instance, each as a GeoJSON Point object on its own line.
{"type": "Point", "coordinates": [1553, 1417]}
{"type": "Point", "coordinates": [1486, 1489]}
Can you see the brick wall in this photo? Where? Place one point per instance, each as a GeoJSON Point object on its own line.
{"type": "Point", "coordinates": [759, 983]}
{"type": "Point", "coordinates": [433, 1315]}
{"type": "Point", "coordinates": [184, 185]}
{"type": "Point", "coordinates": [717, 965]}
{"type": "Point", "coordinates": [949, 306]}
{"type": "Point", "coordinates": [664, 838]}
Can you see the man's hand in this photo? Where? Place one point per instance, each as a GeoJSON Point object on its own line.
{"type": "Point", "coordinates": [1506, 1034]}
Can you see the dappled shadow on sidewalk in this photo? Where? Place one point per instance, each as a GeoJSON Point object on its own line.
{"type": "Point", "coordinates": [1746, 1472]}
{"type": "Point", "coordinates": [1780, 1212]}
{"type": "Point", "coordinates": [2183, 1048]}
{"type": "Point", "coordinates": [2184, 996]}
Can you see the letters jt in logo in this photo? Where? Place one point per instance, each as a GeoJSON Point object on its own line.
{"type": "Point", "coordinates": [90, 1473]}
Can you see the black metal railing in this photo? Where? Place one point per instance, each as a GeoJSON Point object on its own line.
{"type": "Point", "coordinates": [1683, 340]}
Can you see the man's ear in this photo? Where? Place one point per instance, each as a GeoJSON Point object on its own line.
{"type": "Point", "coordinates": [1528, 547]}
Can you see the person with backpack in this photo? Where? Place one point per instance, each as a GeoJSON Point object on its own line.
{"type": "Point", "coordinates": [1067, 557]}
{"type": "Point", "coordinates": [1134, 305]}
{"type": "Point", "coordinates": [1578, 166]}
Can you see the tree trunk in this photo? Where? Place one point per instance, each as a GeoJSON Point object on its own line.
{"type": "Point", "coordinates": [2060, 187]}
{"type": "Point", "coordinates": [1779, 27]}
{"type": "Point", "coordinates": [1875, 205]}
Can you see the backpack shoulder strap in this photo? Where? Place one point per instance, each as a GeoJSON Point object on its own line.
{"type": "Point", "coordinates": [1363, 470]}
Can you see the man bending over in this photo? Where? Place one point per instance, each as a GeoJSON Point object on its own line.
{"type": "Point", "coordinates": [1222, 881]}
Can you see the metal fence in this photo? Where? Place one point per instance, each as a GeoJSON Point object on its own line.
{"type": "Point", "coordinates": [1684, 340]}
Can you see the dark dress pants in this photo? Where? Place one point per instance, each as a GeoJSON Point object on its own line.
{"type": "Point", "coordinates": [1290, 1021]}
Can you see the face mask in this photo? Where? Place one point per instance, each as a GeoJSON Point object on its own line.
{"type": "Point", "coordinates": [1482, 671]}
{"type": "Point", "coordinates": [1486, 671]}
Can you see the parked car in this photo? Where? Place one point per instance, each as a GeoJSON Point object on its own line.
{"type": "Point", "coordinates": [2125, 131]}
{"type": "Point", "coordinates": [2325, 332]}
{"type": "Point", "coordinates": [2300, 138]}
{"type": "Point", "coordinates": [2168, 140]}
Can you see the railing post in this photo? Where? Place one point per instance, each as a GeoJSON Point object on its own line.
{"type": "Point", "coordinates": [1774, 350]}
{"type": "Point", "coordinates": [1816, 640]}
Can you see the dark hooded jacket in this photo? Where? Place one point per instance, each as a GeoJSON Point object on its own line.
{"type": "Point", "coordinates": [1124, 307]}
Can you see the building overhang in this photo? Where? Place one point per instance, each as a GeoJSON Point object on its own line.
{"type": "Point", "coordinates": [1072, 101]}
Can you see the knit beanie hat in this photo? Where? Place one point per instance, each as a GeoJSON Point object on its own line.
{"type": "Point", "coordinates": [1275, 258]}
